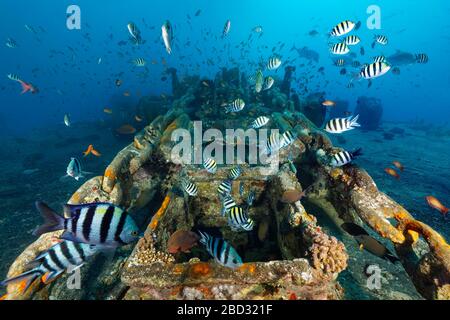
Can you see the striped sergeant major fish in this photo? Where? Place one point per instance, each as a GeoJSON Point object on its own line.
{"type": "Point", "coordinates": [167, 35]}
{"type": "Point", "coordinates": [273, 143]}
{"type": "Point", "coordinates": [11, 43]}
{"type": "Point", "coordinates": [224, 188]}
{"type": "Point", "coordinates": [356, 64]}
{"type": "Point", "coordinates": [134, 31]}
{"type": "Point", "coordinates": [344, 27]}
{"type": "Point", "coordinates": [226, 29]}
{"type": "Point", "coordinates": [236, 106]}
{"type": "Point", "coordinates": [344, 157]}
{"type": "Point", "coordinates": [139, 62]}
{"type": "Point", "coordinates": [374, 70]}
{"type": "Point", "coordinates": [50, 264]}
{"type": "Point", "coordinates": [287, 138]}
{"type": "Point", "coordinates": [190, 188]}
{"type": "Point", "coordinates": [383, 40]}
{"type": "Point", "coordinates": [274, 63]}
{"type": "Point", "coordinates": [74, 169]}
{"type": "Point", "coordinates": [268, 83]}
{"type": "Point", "coordinates": [238, 219]}
{"type": "Point", "coordinates": [379, 59]}
{"type": "Point", "coordinates": [339, 48]}
{"type": "Point", "coordinates": [13, 77]}
{"type": "Point", "coordinates": [339, 63]}
{"type": "Point", "coordinates": [227, 203]}
{"type": "Point", "coordinates": [421, 58]}
{"type": "Point", "coordinates": [352, 40]}
{"type": "Point", "coordinates": [259, 81]}
{"type": "Point", "coordinates": [221, 250]}
{"type": "Point", "coordinates": [235, 172]}
{"type": "Point", "coordinates": [250, 198]}
{"type": "Point", "coordinates": [210, 165]}
{"type": "Point", "coordinates": [101, 224]}
{"type": "Point", "coordinates": [340, 125]}
{"type": "Point", "coordinates": [260, 122]}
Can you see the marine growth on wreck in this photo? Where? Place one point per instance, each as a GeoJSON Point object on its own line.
{"type": "Point", "coordinates": [236, 181]}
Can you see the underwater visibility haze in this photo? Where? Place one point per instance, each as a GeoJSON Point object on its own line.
{"type": "Point", "coordinates": [240, 150]}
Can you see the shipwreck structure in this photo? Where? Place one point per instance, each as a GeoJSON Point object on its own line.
{"type": "Point", "coordinates": [287, 254]}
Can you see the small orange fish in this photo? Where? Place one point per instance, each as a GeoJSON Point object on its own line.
{"type": "Point", "coordinates": [392, 173]}
{"type": "Point", "coordinates": [96, 153]}
{"type": "Point", "coordinates": [126, 94]}
{"type": "Point", "coordinates": [107, 110]}
{"type": "Point", "coordinates": [398, 165]}
{"type": "Point", "coordinates": [137, 118]}
{"type": "Point", "coordinates": [126, 129]}
{"type": "Point", "coordinates": [436, 204]}
{"type": "Point", "coordinates": [328, 103]}
{"type": "Point", "coordinates": [90, 150]}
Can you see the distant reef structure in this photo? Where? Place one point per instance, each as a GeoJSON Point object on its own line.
{"type": "Point", "coordinates": [370, 112]}
{"type": "Point", "coordinates": [288, 255]}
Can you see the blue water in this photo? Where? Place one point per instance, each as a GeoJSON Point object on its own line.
{"type": "Point", "coordinates": [63, 63]}
{"type": "Point", "coordinates": [412, 26]}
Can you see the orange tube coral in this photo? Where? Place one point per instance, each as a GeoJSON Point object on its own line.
{"type": "Point", "coordinates": [155, 220]}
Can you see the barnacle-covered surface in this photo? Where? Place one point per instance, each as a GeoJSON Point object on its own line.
{"type": "Point", "coordinates": [288, 254]}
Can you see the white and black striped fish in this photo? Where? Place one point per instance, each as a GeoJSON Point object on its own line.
{"type": "Point", "coordinates": [356, 64]}
{"type": "Point", "coordinates": [421, 58]}
{"type": "Point", "coordinates": [190, 188]}
{"type": "Point", "coordinates": [250, 198]}
{"type": "Point", "coordinates": [339, 62]}
{"type": "Point", "coordinates": [268, 83]}
{"type": "Point", "coordinates": [287, 138]}
{"type": "Point", "coordinates": [10, 43]}
{"type": "Point", "coordinates": [133, 30]}
{"type": "Point", "coordinates": [74, 169]}
{"type": "Point", "coordinates": [50, 264]}
{"type": "Point", "coordinates": [340, 125]}
{"type": "Point", "coordinates": [210, 165]}
{"type": "Point", "coordinates": [238, 219]}
{"type": "Point", "coordinates": [224, 188]}
{"type": "Point", "coordinates": [13, 77]}
{"type": "Point", "coordinates": [139, 62]}
{"type": "Point", "coordinates": [344, 157]}
{"type": "Point", "coordinates": [344, 27]}
{"type": "Point", "coordinates": [236, 106]}
{"type": "Point", "coordinates": [259, 81]}
{"type": "Point", "coordinates": [274, 63]}
{"type": "Point", "coordinates": [339, 48]}
{"type": "Point", "coordinates": [379, 59]}
{"type": "Point", "coordinates": [102, 224]}
{"type": "Point", "coordinates": [374, 70]}
{"type": "Point", "coordinates": [221, 250]}
{"type": "Point", "coordinates": [260, 122]}
{"type": "Point", "coordinates": [383, 40]}
{"type": "Point", "coordinates": [273, 143]}
{"type": "Point", "coordinates": [352, 40]}
{"type": "Point", "coordinates": [235, 172]}
{"type": "Point", "coordinates": [227, 203]}
{"type": "Point", "coordinates": [226, 28]}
